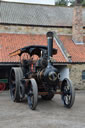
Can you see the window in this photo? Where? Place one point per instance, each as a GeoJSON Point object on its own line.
{"type": "Point", "coordinates": [83, 75]}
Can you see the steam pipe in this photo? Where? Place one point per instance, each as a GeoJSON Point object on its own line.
{"type": "Point", "coordinates": [50, 44]}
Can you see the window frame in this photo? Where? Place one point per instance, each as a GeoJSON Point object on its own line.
{"type": "Point", "coordinates": [83, 75]}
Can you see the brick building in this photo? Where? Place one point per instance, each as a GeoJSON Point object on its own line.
{"type": "Point", "coordinates": [25, 24]}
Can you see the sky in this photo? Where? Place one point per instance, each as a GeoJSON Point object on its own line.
{"type": "Point", "coordinates": [49, 2]}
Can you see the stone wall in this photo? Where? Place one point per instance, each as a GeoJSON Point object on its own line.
{"type": "Point", "coordinates": [33, 30]}
{"type": "Point", "coordinates": [76, 75]}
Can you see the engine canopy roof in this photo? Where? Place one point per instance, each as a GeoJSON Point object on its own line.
{"type": "Point", "coordinates": [32, 50]}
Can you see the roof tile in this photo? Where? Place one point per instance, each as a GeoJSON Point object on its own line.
{"type": "Point", "coordinates": [12, 42]}
{"type": "Point", "coordinates": [77, 51]}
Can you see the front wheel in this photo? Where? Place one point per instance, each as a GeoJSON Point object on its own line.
{"type": "Point", "coordinates": [32, 95]}
{"type": "Point", "coordinates": [68, 93]}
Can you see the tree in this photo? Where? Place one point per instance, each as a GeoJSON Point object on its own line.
{"type": "Point", "coordinates": [83, 3]}
{"type": "Point", "coordinates": [61, 3]}
{"type": "Point", "coordinates": [64, 2]}
{"type": "Point", "coordinates": [79, 2]}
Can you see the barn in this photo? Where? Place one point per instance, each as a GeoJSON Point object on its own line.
{"type": "Point", "coordinates": [24, 24]}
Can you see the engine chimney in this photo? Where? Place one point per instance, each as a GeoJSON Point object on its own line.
{"type": "Point", "coordinates": [50, 44]}
{"type": "Point", "coordinates": [77, 29]}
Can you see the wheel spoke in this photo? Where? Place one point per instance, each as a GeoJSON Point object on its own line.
{"type": "Point", "coordinates": [30, 93]}
{"type": "Point", "coordinates": [13, 89]}
{"type": "Point", "coordinates": [13, 82]}
{"type": "Point", "coordinates": [30, 101]}
{"type": "Point", "coordinates": [67, 99]}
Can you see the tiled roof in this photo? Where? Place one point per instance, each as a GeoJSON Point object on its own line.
{"type": "Point", "coordinates": [12, 42]}
{"type": "Point", "coordinates": [77, 52]}
{"type": "Point", "coordinates": [16, 13]}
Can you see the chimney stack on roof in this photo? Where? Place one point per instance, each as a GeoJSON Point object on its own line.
{"type": "Point", "coordinates": [77, 28]}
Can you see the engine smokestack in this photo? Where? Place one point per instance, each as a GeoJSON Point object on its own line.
{"type": "Point", "coordinates": [50, 44]}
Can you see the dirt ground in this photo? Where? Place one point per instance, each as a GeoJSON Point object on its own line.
{"type": "Point", "coordinates": [49, 114]}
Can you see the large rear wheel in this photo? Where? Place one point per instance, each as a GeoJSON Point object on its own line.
{"type": "Point", "coordinates": [17, 90]}
{"type": "Point", "coordinates": [32, 95]}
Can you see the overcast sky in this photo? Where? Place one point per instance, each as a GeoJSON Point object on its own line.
{"type": "Point", "coordinates": [51, 2]}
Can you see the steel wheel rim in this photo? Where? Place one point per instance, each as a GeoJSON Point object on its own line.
{"type": "Point", "coordinates": [12, 85]}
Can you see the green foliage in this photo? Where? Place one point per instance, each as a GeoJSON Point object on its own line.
{"type": "Point", "coordinates": [83, 3]}
{"type": "Point", "coordinates": [64, 3]}
{"type": "Point", "coordinates": [61, 3]}
{"type": "Point", "coordinates": [73, 3]}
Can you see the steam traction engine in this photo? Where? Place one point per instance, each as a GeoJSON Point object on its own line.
{"type": "Point", "coordinates": [39, 77]}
